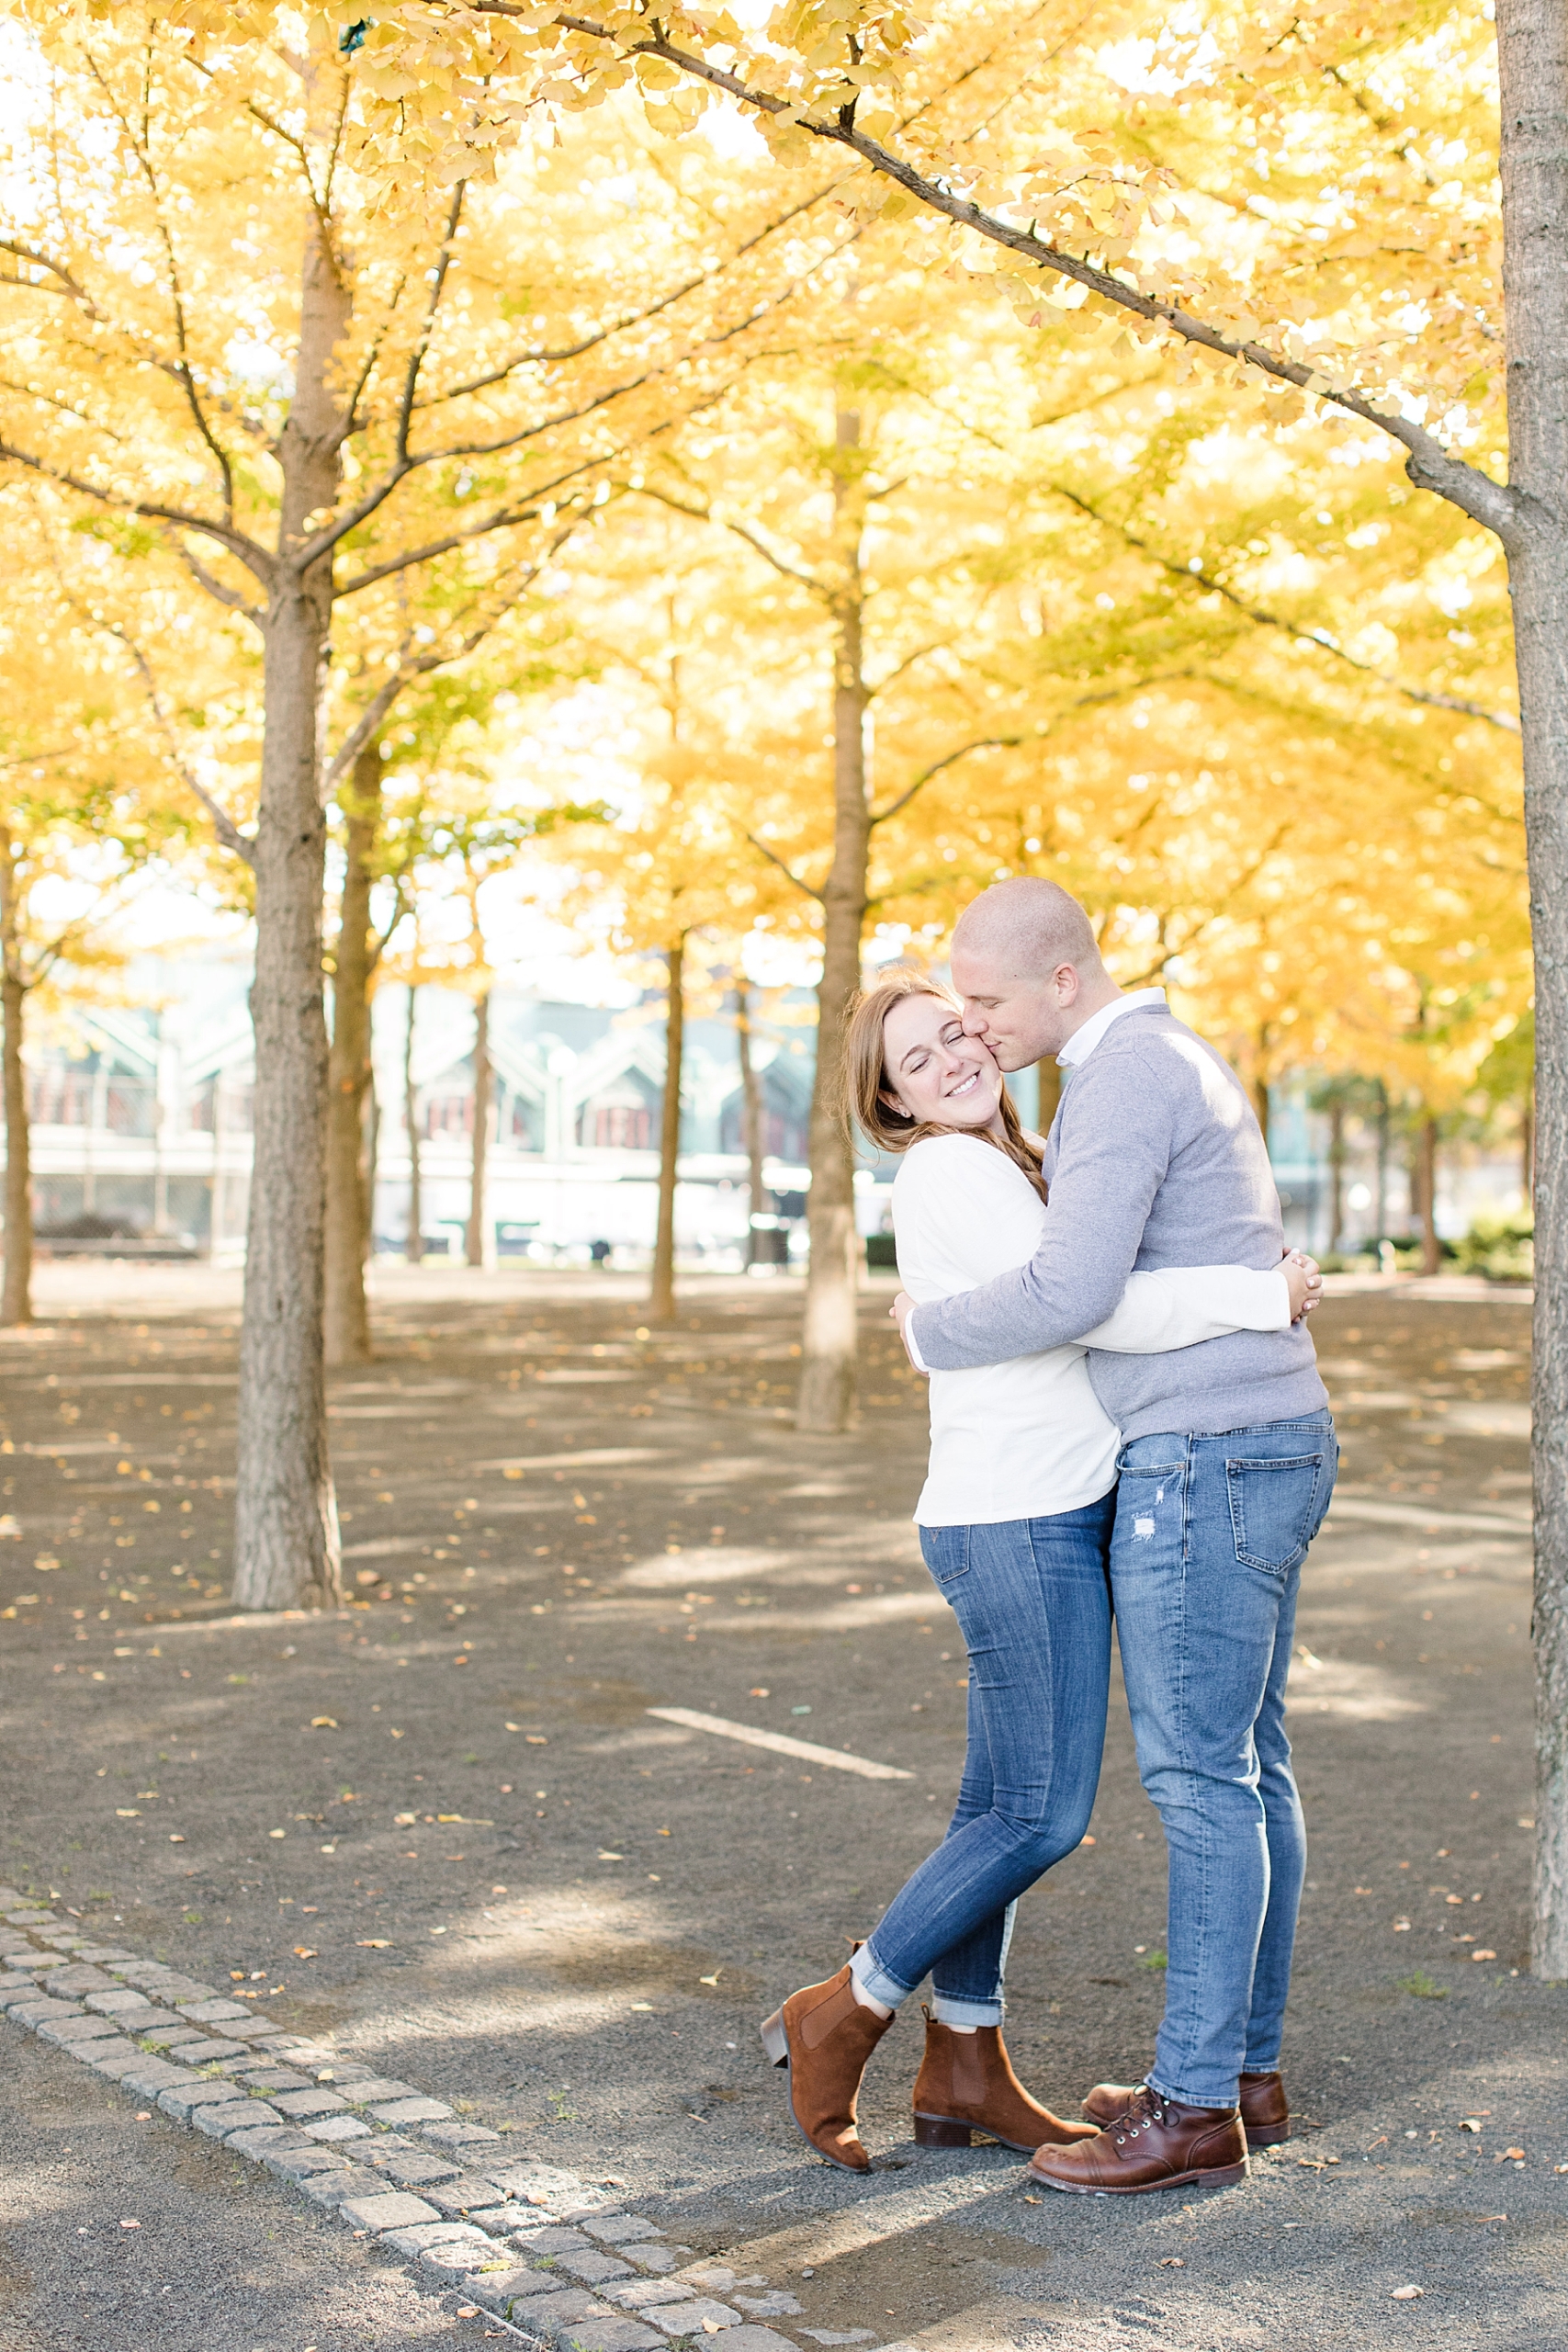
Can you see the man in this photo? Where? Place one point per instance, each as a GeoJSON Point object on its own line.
{"type": "Point", "coordinates": [1154, 1159]}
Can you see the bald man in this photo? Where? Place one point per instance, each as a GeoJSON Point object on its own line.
{"type": "Point", "coordinates": [1227, 1462]}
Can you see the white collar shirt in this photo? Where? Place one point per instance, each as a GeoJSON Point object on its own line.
{"type": "Point", "coordinates": [1082, 1042]}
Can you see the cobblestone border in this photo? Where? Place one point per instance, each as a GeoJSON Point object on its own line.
{"type": "Point", "coordinates": [564, 2265]}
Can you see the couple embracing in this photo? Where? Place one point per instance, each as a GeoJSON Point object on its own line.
{"type": "Point", "coordinates": [1127, 1420]}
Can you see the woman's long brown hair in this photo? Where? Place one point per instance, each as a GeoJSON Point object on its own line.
{"type": "Point", "coordinates": [869, 1088]}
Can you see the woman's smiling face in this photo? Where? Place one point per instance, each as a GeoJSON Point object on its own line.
{"type": "Point", "coordinates": [933, 1071]}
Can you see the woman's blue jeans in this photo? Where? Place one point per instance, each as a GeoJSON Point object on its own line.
{"type": "Point", "coordinates": [1033, 1604]}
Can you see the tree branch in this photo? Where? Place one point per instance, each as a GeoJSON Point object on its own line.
{"type": "Point", "coordinates": [1498, 507]}
{"type": "Point", "coordinates": [982, 744]}
{"type": "Point", "coordinates": [437, 658]}
{"type": "Point", "coordinates": [248, 551]}
{"type": "Point", "coordinates": [502, 519]}
{"type": "Point", "coordinates": [633, 318]}
{"type": "Point", "coordinates": [1208, 581]}
{"type": "Point", "coordinates": [215, 587]}
{"type": "Point", "coordinates": [179, 369]}
{"type": "Point", "coordinates": [427, 324]}
{"type": "Point", "coordinates": [312, 549]}
{"type": "Point", "coordinates": [741, 531]}
{"type": "Point", "coordinates": [297, 146]}
{"type": "Point", "coordinates": [68, 288]}
{"type": "Point", "coordinates": [46, 958]}
{"type": "Point", "coordinates": [228, 833]}
{"type": "Point", "coordinates": [803, 887]}
{"type": "Point", "coordinates": [1046, 728]}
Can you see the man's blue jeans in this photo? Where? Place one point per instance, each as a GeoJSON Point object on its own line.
{"type": "Point", "coordinates": [1030, 1599]}
{"type": "Point", "coordinates": [1205, 1562]}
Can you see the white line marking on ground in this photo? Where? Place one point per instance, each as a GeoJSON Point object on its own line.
{"type": "Point", "coordinates": [594, 1457]}
{"type": "Point", "coordinates": [780, 1744]}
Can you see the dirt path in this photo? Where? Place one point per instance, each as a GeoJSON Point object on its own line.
{"type": "Point", "coordinates": [585, 1908]}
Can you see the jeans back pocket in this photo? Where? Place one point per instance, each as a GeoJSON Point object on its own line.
{"type": "Point", "coordinates": [1276, 1507]}
{"type": "Point", "coordinates": [946, 1551]}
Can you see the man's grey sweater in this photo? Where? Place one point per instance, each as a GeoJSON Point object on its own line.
{"type": "Point", "coordinates": [1153, 1159]}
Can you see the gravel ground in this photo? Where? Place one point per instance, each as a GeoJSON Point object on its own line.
{"type": "Point", "coordinates": [573, 1930]}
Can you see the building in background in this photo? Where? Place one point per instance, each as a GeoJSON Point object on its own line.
{"type": "Point", "coordinates": [573, 1157]}
{"type": "Point", "coordinates": [141, 1129]}
{"type": "Point", "coordinates": [142, 1122]}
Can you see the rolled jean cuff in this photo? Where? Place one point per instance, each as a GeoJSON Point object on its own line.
{"type": "Point", "coordinates": [875, 1980]}
{"type": "Point", "coordinates": [948, 2009]}
{"type": "Point", "coordinates": [1209, 2098]}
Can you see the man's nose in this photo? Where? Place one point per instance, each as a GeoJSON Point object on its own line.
{"type": "Point", "coordinates": [973, 1020]}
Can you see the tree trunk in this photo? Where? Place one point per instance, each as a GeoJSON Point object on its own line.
{"type": "Point", "coordinates": [474, 1235]}
{"type": "Point", "coordinates": [1527, 1147]}
{"type": "Point", "coordinates": [1048, 1070]}
{"type": "Point", "coordinates": [828, 1365]}
{"type": "Point", "coordinates": [1423, 1185]}
{"type": "Point", "coordinates": [413, 1247]}
{"type": "Point", "coordinates": [347, 1319]}
{"type": "Point", "coordinates": [661, 1295]}
{"type": "Point", "coordinates": [1260, 1104]}
{"type": "Point", "coordinates": [1336, 1172]}
{"type": "Point", "coordinates": [1532, 43]}
{"type": "Point", "coordinates": [1383, 1161]}
{"type": "Point", "coordinates": [286, 1531]}
{"type": "Point", "coordinates": [16, 1298]}
{"type": "Point", "coordinates": [752, 1125]}
{"type": "Point", "coordinates": [372, 1131]}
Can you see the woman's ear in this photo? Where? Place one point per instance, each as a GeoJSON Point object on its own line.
{"type": "Point", "coordinates": [885, 1094]}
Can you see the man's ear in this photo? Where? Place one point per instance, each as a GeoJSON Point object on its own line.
{"type": "Point", "coordinates": [1066, 980]}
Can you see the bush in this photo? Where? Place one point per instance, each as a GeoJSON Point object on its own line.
{"type": "Point", "coordinates": [1501, 1247]}
{"type": "Point", "coordinates": [1408, 1252]}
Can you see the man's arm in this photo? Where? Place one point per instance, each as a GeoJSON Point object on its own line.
{"type": "Point", "coordinates": [1114, 1145]}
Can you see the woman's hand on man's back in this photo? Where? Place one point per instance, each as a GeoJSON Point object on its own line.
{"type": "Point", "coordinates": [1303, 1280]}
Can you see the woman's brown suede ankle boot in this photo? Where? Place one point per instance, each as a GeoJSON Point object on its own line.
{"type": "Point", "coordinates": [967, 2085]}
{"type": "Point", "coordinates": [824, 2035]}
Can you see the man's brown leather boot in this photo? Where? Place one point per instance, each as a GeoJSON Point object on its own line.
{"type": "Point", "coordinates": [1155, 2144]}
{"type": "Point", "coordinates": [967, 2085]}
{"type": "Point", "coordinates": [1265, 2110]}
{"type": "Point", "coordinates": [824, 2035]}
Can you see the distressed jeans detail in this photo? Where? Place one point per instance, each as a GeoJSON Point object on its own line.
{"type": "Point", "coordinates": [1031, 1602]}
{"type": "Point", "coordinates": [1205, 1567]}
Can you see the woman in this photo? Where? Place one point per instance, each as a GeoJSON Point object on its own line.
{"type": "Point", "coordinates": [1015, 1518]}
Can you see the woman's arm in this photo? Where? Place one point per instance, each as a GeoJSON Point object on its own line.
{"type": "Point", "coordinates": [961, 1212]}
{"type": "Point", "coordinates": [1182, 1305]}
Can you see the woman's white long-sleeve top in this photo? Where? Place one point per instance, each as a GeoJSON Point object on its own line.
{"type": "Point", "coordinates": [1028, 1438]}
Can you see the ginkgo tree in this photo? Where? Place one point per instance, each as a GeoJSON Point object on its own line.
{"type": "Point", "coordinates": [665, 877]}
{"type": "Point", "coordinates": [87, 804]}
{"type": "Point", "coordinates": [307, 386]}
{"type": "Point", "coordinates": [407, 711]}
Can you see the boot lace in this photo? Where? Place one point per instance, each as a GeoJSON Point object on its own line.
{"type": "Point", "coordinates": [1144, 2110]}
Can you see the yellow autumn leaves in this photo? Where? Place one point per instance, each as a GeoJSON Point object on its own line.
{"type": "Point", "coordinates": [1196, 648]}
